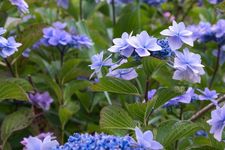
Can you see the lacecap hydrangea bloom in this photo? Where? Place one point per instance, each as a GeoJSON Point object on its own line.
{"type": "Point", "coordinates": [42, 100]}
{"type": "Point", "coordinates": [44, 141]}
{"type": "Point", "coordinates": [188, 66]}
{"type": "Point", "coordinates": [217, 122]}
{"type": "Point", "coordinates": [21, 5]}
{"type": "Point", "coordinates": [177, 35]}
{"type": "Point", "coordinates": [109, 142]}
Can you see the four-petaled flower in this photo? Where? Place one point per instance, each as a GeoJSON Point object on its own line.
{"type": "Point", "coordinates": [8, 47]}
{"type": "Point", "coordinates": [177, 35]}
{"type": "Point", "coordinates": [188, 66]}
{"type": "Point", "coordinates": [208, 95]}
{"type": "Point", "coordinates": [146, 140]}
{"type": "Point", "coordinates": [143, 43]}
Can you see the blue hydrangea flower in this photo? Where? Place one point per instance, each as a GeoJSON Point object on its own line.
{"type": "Point", "coordinates": [8, 47]}
{"type": "Point", "coordinates": [165, 52]}
{"type": "Point", "coordinates": [21, 5]}
{"type": "Point", "coordinates": [2, 31]}
{"type": "Point", "coordinates": [126, 74]}
{"type": "Point", "coordinates": [79, 41]}
{"type": "Point", "coordinates": [177, 35]}
{"type": "Point", "coordinates": [188, 66]}
{"type": "Point", "coordinates": [122, 46]}
{"type": "Point", "coordinates": [154, 2]}
{"type": "Point", "coordinates": [201, 133]}
{"type": "Point", "coordinates": [3, 41]}
{"type": "Point", "coordinates": [99, 142]}
{"type": "Point", "coordinates": [185, 98]}
{"type": "Point", "coordinates": [214, 1]}
{"type": "Point", "coordinates": [98, 62]}
{"type": "Point", "coordinates": [151, 93]}
{"type": "Point", "coordinates": [60, 37]}
{"type": "Point", "coordinates": [63, 3]}
{"type": "Point", "coordinates": [26, 53]}
{"type": "Point", "coordinates": [222, 54]}
{"type": "Point", "coordinates": [217, 122]}
{"type": "Point", "coordinates": [218, 28]}
{"type": "Point", "coordinates": [40, 142]}
{"type": "Point", "coordinates": [146, 140]}
{"type": "Point", "coordinates": [42, 100]}
{"type": "Point", "coordinates": [208, 95]}
{"type": "Point", "coordinates": [143, 43]}
{"type": "Point", "coordinates": [59, 25]}
{"type": "Point", "coordinates": [119, 1]}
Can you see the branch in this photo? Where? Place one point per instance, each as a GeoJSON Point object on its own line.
{"type": "Point", "coordinates": [206, 109]}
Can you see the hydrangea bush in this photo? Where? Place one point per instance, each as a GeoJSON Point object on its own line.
{"type": "Point", "coordinates": [112, 74]}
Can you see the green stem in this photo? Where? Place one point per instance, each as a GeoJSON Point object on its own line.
{"type": "Point", "coordinates": [114, 12]}
{"type": "Point", "coordinates": [216, 66]}
{"type": "Point", "coordinates": [81, 9]}
{"type": "Point", "coordinates": [99, 75]}
{"type": "Point", "coordinates": [9, 67]}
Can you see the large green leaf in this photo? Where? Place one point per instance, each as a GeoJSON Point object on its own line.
{"type": "Point", "coordinates": [9, 90]}
{"type": "Point", "coordinates": [19, 81]}
{"type": "Point", "coordinates": [170, 131]}
{"type": "Point", "coordinates": [116, 85]}
{"type": "Point", "coordinates": [114, 117]}
{"type": "Point", "coordinates": [14, 122]}
{"type": "Point", "coordinates": [151, 65]}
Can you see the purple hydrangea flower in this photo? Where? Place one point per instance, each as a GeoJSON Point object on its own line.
{"type": "Point", "coordinates": [143, 43]}
{"type": "Point", "coordinates": [177, 35]}
{"type": "Point", "coordinates": [98, 62]}
{"type": "Point", "coordinates": [151, 93]}
{"type": "Point", "coordinates": [154, 2]}
{"type": "Point", "coordinates": [208, 95]}
{"type": "Point", "coordinates": [214, 1]}
{"type": "Point", "coordinates": [222, 54]}
{"type": "Point", "coordinates": [217, 122]}
{"type": "Point", "coordinates": [79, 41]}
{"type": "Point", "coordinates": [44, 141]}
{"type": "Point", "coordinates": [63, 3]}
{"type": "Point", "coordinates": [2, 30]}
{"type": "Point", "coordinates": [8, 47]}
{"type": "Point", "coordinates": [21, 5]}
{"type": "Point", "coordinates": [185, 98]}
{"type": "Point", "coordinates": [60, 37]}
{"type": "Point", "coordinates": [99, 142]}
{"type": "Point", "coordinates": [126, 74]}
{"type": "Point", "coordinates": [218, 28]}
{"type": "Point", "coordinates": [118, 1]}
{"type": "Point", "coordinates": [26, 53]}
{"type": "Point", "coordinates": [122, 46]}
{"type": "Point", "coordinates": [42, 100]}
{"type": "Point", "coordinates": [146, 140]}
{"type": "Point", "coordinates": [188, 66]}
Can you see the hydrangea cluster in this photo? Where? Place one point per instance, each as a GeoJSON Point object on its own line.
{"type": "Point", "coordinates": [110, 142]}
{"type": "Point", "coordinates": [187, 65]}
{"type": "Point", "coordinates": [190, 96]}
{"type": "Point", "coordinates": [42, 100]}
{"type": "Point", "coordinates": [205, 32]}
{"type": "Point", "coordinates": [215, 1]}
{"type": "Point", "coordinates": [57, 35]}
{"type": "Point", "coordinates": [21, 5]}
{"type": "Point", "coordinates": [7, 46]}
{"type": "Point", "coordinates": [44, 141]}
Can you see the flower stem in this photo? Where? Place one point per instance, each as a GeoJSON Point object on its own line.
{"type": "Point", "coordinates": [114, 12]}
{"type": "Point", "coordinates": [9, 67]}
{"type": "Point", "coordinates": [216, 66]}
{"type": "Point", "coordinates": [81, 9]}
{"type": "Point", "coordinates": [147, 84]}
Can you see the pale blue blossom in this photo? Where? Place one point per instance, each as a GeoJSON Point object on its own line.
{"type": "Point", "coordinates": [143, 44]}
{"type": "Point", "coordinates": [207, 94]}
{"type": "Point", "coordinates": [188, 66]}
{"type": "Point", "coordinates": [177, 35]}
{"type": "Point", "coordinates": [217, 122]}
{"type": "Point", "coordinates": [21, 5]}
{"type": "Point", "coordinates": [146, 140]}
{"type": "Point", "coordinates": [63, 3]}
{"type": "Point", "coordinates": [126, 74]}
{"type": "Point", "coordinates": [9, 47]}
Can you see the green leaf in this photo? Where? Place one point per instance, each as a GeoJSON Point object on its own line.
{"type": "Point", "coordinates": [116, 85]}
{"type": "Point", "coordinates": [163, 95]}
{"type": "Point", "coordinates": [170, 131]}
{"type": "Point", "coordinates": [12, 91]}
{"type": "Point", "coordinates": [114, 117]}
{"type": "Point", "coordinates": [67, 111]}
{"type": "Point", "coordinates": [19, 81]}
{"type": "Point", "coordinates": [14, 122]}
{"type": "Point", "coordinates": [151, 65]}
